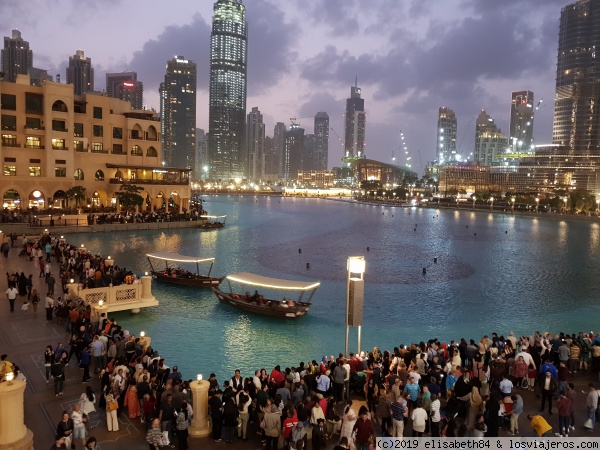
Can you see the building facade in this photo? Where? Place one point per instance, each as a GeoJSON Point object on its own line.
{"type": "Point", "coordinates": [54, 140]}
{"type": "Point", "coordinates": [16, 56]}
{"type": "Point", "coordinates": [321, 131]}
{"type": "Point", "coordinates": [292, 154]}
{"type": "Point", "coordinates": [371, 170]}
{"type": "Point", "coordinates": [227, 91]}
{"type": "Point", "coordinates": [446, 136]}
{"type": "Point", "coordinates": [521, 122]}
{"type": "Point", "coordinates": [178, 113]}
{"type": "Point", "coordinates": [125, 86]}
{"type": "Point", "coordinates": [354, 143]}
{"type": "Point", "coordinates": [255, 144]}
{"type": "Point", "coordinates": [490, 143]}
{"type": "Point", "coordinates": [576, 107]}
{"type": "Point", "coordinates": [279, 146]}
{"type": "Point", "coordinates": [80, 73]}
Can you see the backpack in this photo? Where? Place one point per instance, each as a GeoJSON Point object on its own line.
{"type": "Point", "coordinates": [585, 347]}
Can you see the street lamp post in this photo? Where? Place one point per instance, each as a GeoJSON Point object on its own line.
{"type": "Point", "coordinates": [537, 205]}
{"type": "Point", "coordinates": [492, 204]}
{"type": "Point", "coordinates": [473, 197]}
{"type": "Point", "coordinates": [355, 287]}
{"type": "Point", "coordinates": [513, 205]}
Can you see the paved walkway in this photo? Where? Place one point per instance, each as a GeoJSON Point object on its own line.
{"type": "Point", "coordinates": [24, 338]}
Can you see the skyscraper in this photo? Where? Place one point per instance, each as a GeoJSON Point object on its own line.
{"type": "Point", "coordinates": [227, 96]}
{"type": "Point", "coordinates": [255, 144]}
{"type": "Point", "coordinates": [125, 86]}
{"type": "Point", "coordinates": [354, 144]}
{"type": "Point", "coordinates": [446, 132]}
{"type": "Point", "coordinates": [279, 145]}
{"type": "Point", "coordinates": [521, 122]}
{"type": "Point", "coordinates": [80, 73]}
{"type": "Point", "coordinates": [490, 143]}
{"type": "Point", "coordinates": [321, 131]}
{"type": "Point", "coordinates": [292, 154]}
{"type": "Point", "coordinates": [308, 152]}
{"type": "Point", "coordinates": [178, 113]}
{"type": "Point", "coordinates": [16, 56]}
{"type": "Point", "coordinates": [576, 106]}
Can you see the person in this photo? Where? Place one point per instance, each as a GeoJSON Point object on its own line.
{"type": "Point", "coordinates": [49, 305]}
{"type": "Point", "coordinates": [79, 420]}
{"type": "Point", "coordinates": [230, 415]}
{"type": "Point", "coordinates": [434, 414]}
{"type": "Point", "coordinates": [92, 444]}
{"type": "Point", "coordinates": [65, 429]}
{"type": "Point", "coordinates": [343, 444]}
{"type": "Point", "coordinates": [571, 395]}
{"type": "Point", "coordinates": [59, 443]}
{"type": "Point", "coordinates": [319, 436]}
{"type": "Point", "coordinates": [35, 301]}
{"type": "Point", "coordinates": [57, 369]}
{"type": "Point", "coordinates": [399, 415]}
{"type": "Point", "coordinates": [339, 380]}
{"type": "Point", "coordinates": [383, 412]}
{"type": "Point", "coordinates": [548, 386]}
{"type": "Point", "coordinates": [517, 411]}
{"type": "Point", "coordinates": [85, 359]}
{"type": "Point", "coordinates": [87, 401]}
{"type": "Point", "coordinates": [182, 424]}
{"type": "Point", "coordinates": [244, 400]}
{"type": "Point", "coordinates": [299, 438]}
{"type": "Point", "coordinates": [364, 429]}
{"type": "Point", "coordinates": [154, 436]}
{"type": "Point", "coordinates": [11, 295]}
{"type": "Point", "coordinates": [112, 422]}
{"type": "Point", "coordinates": [216, 413]}
{"type": "Point", "coordinates": [480, 428]}
{"type": "Point", "coordinates": [476, 407]}
{"type": "Point", "coordinates": [591, 404]}
{"type": "Point", "coordinates": [272, 427]}
{"type": "Point", "coordinates": [166, 415]}
{"type": "Point", "coordinates": [348, 421]}
{"type": "Point", "coordinates": [563, 405]}
{"type": "Point", "coordinates": [419, 418]}
{"type": "Point", "coordinates": [541, 427]}
{"type": "Point", "coordinates": [132, 402]}
{"type": "Point", "coordinates": [48, 360]}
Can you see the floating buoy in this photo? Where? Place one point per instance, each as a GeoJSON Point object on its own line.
{"type": "Point", "coordinates": [368, 248]}
{"type": "Point", "coordinates": [467, 226]}
{"type": "Point", "coordinates": [435, 260]}
{"type": "Point", "coordinates": [415, 229]}
{"type": "Point", "coordinates": [474, 234]}
{"type": "Point", "coordinates": [308, 265]}
{"type": "Point", "coordinates": [424, 270]}
{"type": "Point", "coordinates": [299, 250]}
{"type": "Point", "coordinates": [506, 232]}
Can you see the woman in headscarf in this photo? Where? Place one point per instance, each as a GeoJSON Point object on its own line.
{"type": "Point", "coordinates": [348, 421]}
{"type": "Point", "coordinates": [132, 402]}
{"type": "Point", "coordinates": [475, 407]}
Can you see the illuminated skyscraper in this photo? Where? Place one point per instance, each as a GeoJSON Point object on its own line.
{"type": "Point", "coordinates": [178, 113]}
{"type": "Point", "coordinates": [446, 136]}
{"type": "Point", "coordinates": [576, 106]}
{"type": "Point", "coordinates": [521, 122]}
{"type": "Point", "coordinates": [255, 142]}
{"type": "Point", "coordinates": [279, 145]}
{"type": "Point", "coordinates": [80, 73]}
{"type": "Point", "coordinates": [321, 131]}
{"type": "Point", "coordinates": [490, 144]}
{"type": "Point", "coordinates": [227, 101]}
{"type": "Point", "coordinates": [292, 154]}
{"type": "Point", "coordinates": [17, 58]}
{"type": "Point", "coordinates": [354, 144]}
{"type": "Point", "coordinates": [125, 86]}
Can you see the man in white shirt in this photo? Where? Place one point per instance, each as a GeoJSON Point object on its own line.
{"type": "Point", "coordinates": [347, 380]}
{"type": "Point", "coordinates": [11, 295]}
{"type": "Point", "coordinates": [434, 414]}
{"type": "Point", "coordinates": [506, 386]}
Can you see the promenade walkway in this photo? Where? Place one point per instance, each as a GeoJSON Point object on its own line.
{"type": "Point", "coordinates": [24, 338]}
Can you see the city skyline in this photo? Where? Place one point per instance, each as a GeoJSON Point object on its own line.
{"type": "Point", "coordinates": [407, 68]}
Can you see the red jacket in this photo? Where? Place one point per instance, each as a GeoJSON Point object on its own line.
{"type": "Point", "coordinates": [564, 406]}
{"type": "Point", "coordinates": [288, 425]}
{"type": "Point", "coordinates": [364, 429]}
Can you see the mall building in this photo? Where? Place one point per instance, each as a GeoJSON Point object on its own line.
{"type": "Point", "coordinates": [53, 140]}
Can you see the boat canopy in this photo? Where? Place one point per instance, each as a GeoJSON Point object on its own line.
{"type": "Point", "coordinates": [205, 216]}
{"type": "Point", "coordinates": [272, 283]}
{"type": "Point", "coordinates": [167, 256]}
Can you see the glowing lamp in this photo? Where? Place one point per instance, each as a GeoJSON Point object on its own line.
{"type": "Point", "coordinates": [109, 257]}
{"type": "Point", "coordinates": [146, 273]}
{"type": "Point", "coordinates": [10, 376]}
{"type": "Point", "coordinates": [199, 378]}
{"type": "Point", "coordinates": [142, 333]}
{"type": "Point", "coordinates": [101, 302]}
{"type": "Point", "coordinates": [356, 264]}
{"type": "Point", "coordinates": [72, 281]}
{"type": "Point", "coordinates": [82, 246]}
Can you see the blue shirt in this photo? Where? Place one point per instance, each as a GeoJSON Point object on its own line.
{"type": "Point", "coordinates": [548, 367]}
{"type": "Point", "coordinates": [413, 390]}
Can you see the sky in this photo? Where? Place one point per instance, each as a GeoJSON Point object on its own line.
{"type": "Point", "coordinates": [410, 58]}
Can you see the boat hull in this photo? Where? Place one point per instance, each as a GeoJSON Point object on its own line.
{"type": "Point", "coordinates": [195, 281]}
{"type": "Point", "coordinates": [271, 308]}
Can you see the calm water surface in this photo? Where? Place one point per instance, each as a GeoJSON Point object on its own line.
{"type": "Point", "coordinates": [494, 273]}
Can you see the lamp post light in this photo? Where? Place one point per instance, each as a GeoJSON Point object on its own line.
{"type": "Point", "coordinates": [473, 197]}
{"type": "Point", "coordinates": [566, 199]}
{"type": "Point", "coordinates": [492, 204]}
{"type": "Point", "coordinates": [537, 205]}
{"type": "Point", "coordinates": [355, 287]}
{"type": "Point", "coordinates": [513, 204]}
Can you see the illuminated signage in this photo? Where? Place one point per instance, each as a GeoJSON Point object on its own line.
{"type": "Point", "coordinates": [128, 84]}
{"type": "Point", "coordinates": [183, 61]}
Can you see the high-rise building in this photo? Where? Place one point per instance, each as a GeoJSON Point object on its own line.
{"type": "Point", "coordinates": [255, 144]}
{"type": "Point", "coordinates": [354, 144]}
{"type": "Point", "coordinates": [178, 113]}
{"type": "Point", "coordinates": [16, 57]}
{"type": "Point", "coordinates": [446, 136]}
{"type": "Point", "coordinates": [271, 160]}
{"type": "Point", "coordinates": [292, 154]}
{"type": "Point", "coordinates": [80, 73]}
{"type": "Point", "coordinates": [227, 96]}
{"type": "Point", "coordinates": [576, 108]}
{"type": "Point", "coordinates": [321, 131]}
{"type": "Point", "coordinates": [308, 152]}
{"type": "Point", "coordinates": [202, 155]}
{"type": "Point", "coordinates": [521, 122]}
{"type": "Point", "coordinates": [279, 146]}
{"type": "Point", "coordinates": [125, 86]}
{"type": "Point", "coordinates": [490, 143]}
{"type": "Point", "coordinates": [38, 76]}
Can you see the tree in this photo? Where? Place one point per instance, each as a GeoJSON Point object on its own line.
{"type": "Point", "coordinates": [129, 196]}
{"type": "Point", "coordinates": [76, 193]}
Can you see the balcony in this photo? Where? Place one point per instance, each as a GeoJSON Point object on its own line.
{"type": "Point", "coordinates": [119, 153]}
{"type": "Point", "coordinates": [11, 144]}
{"type": "Point", "coordinates": [82, 150]}
{"type": "Point", "coordinates": [99, 151]}
{"type": "Point", "coordinates": [29, 129]}
{"type": "Point", "coordinates": [60, 148]}
{"type": "Point", "coordinates": [141, 181]}
{"type": "Point", "coordinates": [41, 147]}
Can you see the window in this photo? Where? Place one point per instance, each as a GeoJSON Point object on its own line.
{"type": "Point", "coordinates": [60, 106]}
{"type": "Point", "coordinates": [35, 171]}
{"type": "Point", "coordinates": [78, 175]}
{"type": "Point", "coordinates": [34, 103]}
{"type": "Point", "coordinates": [78, 146]}
{"type": "Point", "coordinates": [117, 133]}
{"type": "Point", "coordinates": [9, 140]}
{"type": "Point", "coordinates": [33, 142]}
{"type": "Point", "coordinates": [97, 147]}
{"type": "Point", "coordinates": [99, 175]}
{"type": "Point", "coordinates": [58, 144]}
{"type": "Point", "coordinates": [59, 125]}
{"type": "Point", "coordinates": [151, 152]}
{"type": "Point", "coordinates": [79, 107]}
{"type": "Point", "coordinates": [98, 131]}
{"type": "Point", "coordinates": [8, 102]}
{"type": "Point", "coordinates": [33, 123]}
{"type": "Point", "coordinates": [35, 161]}
{"type": "Point", "coordinates": [117, 149]}
{"type": "Point", "coordinates": [135, 134]}
{"type": "Point", "coordinates": [78, 129]}
{"type": "Point", "coordinates": [10, 170]}
{"type": "Point", "coordinates": [60, 172]}
{"type": "Point", "coordinates": [9, 123]}
{"type": "Point", "coordinates": [60, 161]}
{"type": "Point", "coordinates": [136, 150]}
{"type": "Point", "coordinates": [97, 112]}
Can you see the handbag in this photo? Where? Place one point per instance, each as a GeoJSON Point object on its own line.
{"type": "Point", "coordinates": [25, 306]}
{"type": "Point", "coordinates": [113, 405]}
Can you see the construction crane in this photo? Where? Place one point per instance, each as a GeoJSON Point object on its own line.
{"type": "Point", "coordinates": [402, 148]}
{"type": "Point", "coordinates": [339, 139]}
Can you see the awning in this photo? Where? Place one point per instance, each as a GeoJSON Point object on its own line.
{"type": "Point", "coordinates": [272, 283]}
{"type": "Point", "coordinates": [167, 256]}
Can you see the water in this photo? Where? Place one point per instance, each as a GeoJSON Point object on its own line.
{"type": "Point", "coordinates": [516, 273]}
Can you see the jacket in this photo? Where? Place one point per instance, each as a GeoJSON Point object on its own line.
{"type": "Point", "coordinates": [272, 424]}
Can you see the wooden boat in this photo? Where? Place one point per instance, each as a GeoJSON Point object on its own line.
{"type": "Point", "coordinates": [175, 274]}
{"type": "Point", "coordinates": [284, 308]}
{"type": "Point", "coordinates": [213, 221]}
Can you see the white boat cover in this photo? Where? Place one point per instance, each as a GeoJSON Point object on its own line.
{"type": "Point", "coordinates": [272, 283]}
{"type": "Point", "coordinates": [167, 256]}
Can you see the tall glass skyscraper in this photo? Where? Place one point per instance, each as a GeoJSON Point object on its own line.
{"type": "Point", "coordinates": [16, 57]}
{"type": "Point", "coordinates": [446, 133]}
{"type": "Point", "coordinates": [80, 73]}
{"type": "Point", "coordinates": [576, 105]}
{"type": "Point", "coordinates": [227, 102]}
{"type": "Point", "coordinates": [354, 143]}
{"type": "Point", "coordinates": [321, 141]}
{"type": "Point", "coordinates": [521, 122]}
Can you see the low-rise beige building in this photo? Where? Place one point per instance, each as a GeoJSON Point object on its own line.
{"type": "Point", "coordinates": [53, 140]}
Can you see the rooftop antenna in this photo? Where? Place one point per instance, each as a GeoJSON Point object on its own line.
{"type": "Point", "coordinates": [356, 81]}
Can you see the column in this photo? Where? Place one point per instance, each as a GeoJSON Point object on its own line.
{"type": "Point", "coordinates": [200, 426]}
{"type": "Point", "coordinates": [98, 310]}
{"type": "Point", "coordinates": [146, 281]}
{"type": "Point", "coordinates": [13, 433]}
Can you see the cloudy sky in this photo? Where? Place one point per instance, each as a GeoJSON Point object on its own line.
{"type": "Point", "coordinates": [410, 57]}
